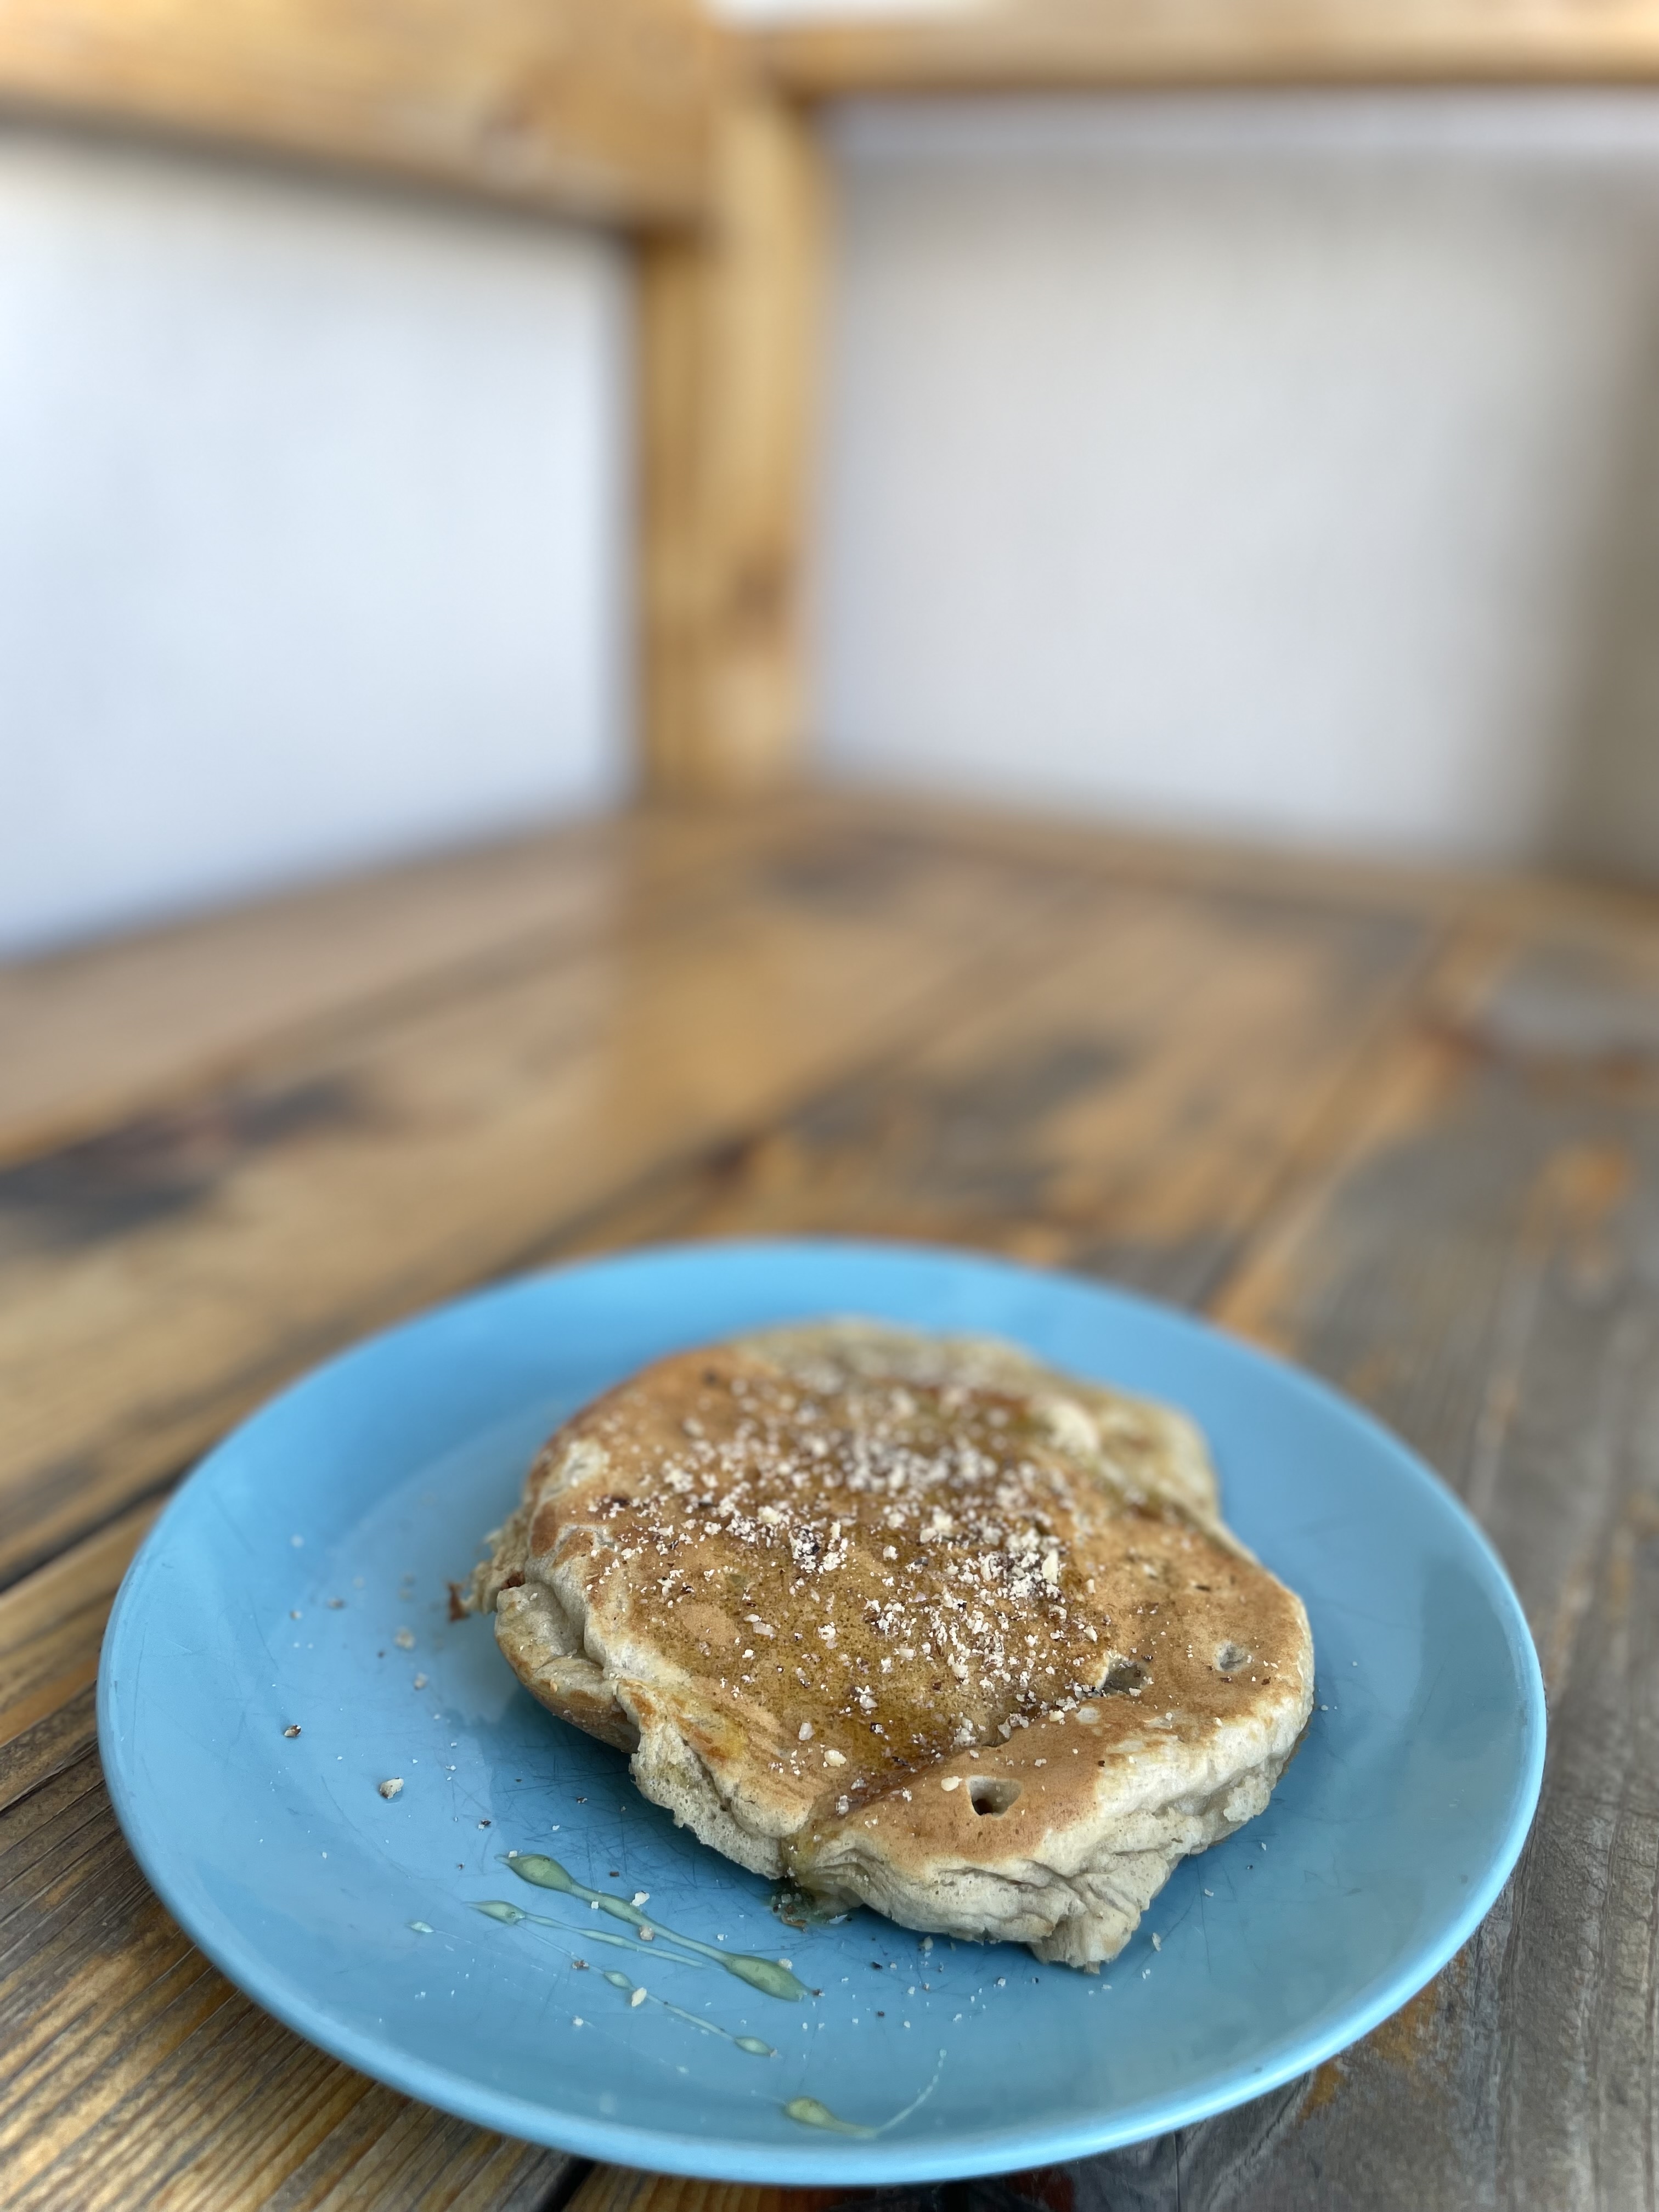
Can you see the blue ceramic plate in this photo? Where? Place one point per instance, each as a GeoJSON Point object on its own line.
{"type": "Point", "coordinates": [297, 1581]}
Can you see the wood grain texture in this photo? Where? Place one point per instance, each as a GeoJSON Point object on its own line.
{"type": "Point", "coordinates": [1477, 1262]}
{"type": "Point", "coordinates": [1405, 1133]}
{"type": "Point", "coordinates": [1074, 44]}
{"type": "Point", "coordinates": [136, 2075]}
{"type": "Point", "coordinates": [155, 1282]}
{"type": "Point", "coordinates": [1128, 1111]}
{"type": "Point", "coordinates": [728, 324]}
{"type": "Point", "coordinates": [94, 1035]}
{"type": "Point", "coordinates": [620, 2189]}
{"type": "Point", "coordinates": [52, 1630]}
{"type": "Point", "coordinates": [600, 108]}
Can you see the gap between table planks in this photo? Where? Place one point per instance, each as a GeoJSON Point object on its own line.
{"type": "Point", "coordinates": [1372, 1124]}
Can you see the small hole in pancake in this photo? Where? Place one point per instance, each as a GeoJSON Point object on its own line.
{"type": "Point", "coordinates": [1231, 1657]}
{"type": "Point", "coordinates": [988, 1794]}
{"type": "Point", "coordinates": [1125, 1675]}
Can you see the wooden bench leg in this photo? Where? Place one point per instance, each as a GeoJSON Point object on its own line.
{"type": "Point", "coordinates": [728, 345]}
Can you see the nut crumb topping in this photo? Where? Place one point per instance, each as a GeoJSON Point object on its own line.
{"type": "Point", "coordinates": [885, 1575]}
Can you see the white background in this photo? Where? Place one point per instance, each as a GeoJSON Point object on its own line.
{"type": "Point", "coordinates": [1279, 464]}
{"type": "Point", "coordinates": [1275, 464]}
{"type": "Point", "coordinates": [314, 521]}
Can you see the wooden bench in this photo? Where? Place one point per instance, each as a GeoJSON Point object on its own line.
{"type": "Point", "coordinates": [701, 145]}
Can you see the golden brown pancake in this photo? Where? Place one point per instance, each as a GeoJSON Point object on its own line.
{"type": "Point", "coordinates": [911, 1620]}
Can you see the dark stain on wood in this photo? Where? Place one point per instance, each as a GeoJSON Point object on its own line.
{"type": "Point", "coordinates": [1505, 1255]}
{"type": "Point", "coordinates": [160, 1164]}
{"type": "Point", "coordinates": [850, 872]}
{"type": "Point", "coordinates": [972, 1140]}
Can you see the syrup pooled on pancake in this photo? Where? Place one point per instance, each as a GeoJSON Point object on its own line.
{"type": "Point", "coordinates": [915, 1640]}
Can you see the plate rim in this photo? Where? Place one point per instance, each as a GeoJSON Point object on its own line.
{"type": "Point", "coordinates": [1006, 2149]}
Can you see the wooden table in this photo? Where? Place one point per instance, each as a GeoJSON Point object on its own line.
{"type": "Point", "coordinates": [1402, 1128]}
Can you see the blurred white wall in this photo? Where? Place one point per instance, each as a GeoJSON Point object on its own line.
{"type": "Point", "coordinates": [314, 528]}
{"type": "Point", "coordinates": [1283, 464]}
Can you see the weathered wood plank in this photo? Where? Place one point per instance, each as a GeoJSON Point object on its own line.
{"type": "Point", "coordinates": [1128, 1111]}
{"type": "Point", "coordinates": [1014, 46]}
{"type": "Point", "coordinates": [1444, 1193]}
{"type": "Point", "coordinates": [621, 2189]}
{"type": "Point", "coordinates": [52, 1630]}
{"type": "Point", "coordinates": [1303, 997]}
{"type": "Point", "coordinates": [598, 106]}
{"type": "Point", "coordinates": [94, 1035]}
{"type": "Point", "coordinates": [136, 2075]}
{"type": "Point", "coordinates": [1478, 1265]}
{"type": "Point", "coordinates": [155, 1282]}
